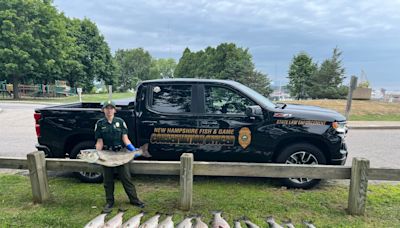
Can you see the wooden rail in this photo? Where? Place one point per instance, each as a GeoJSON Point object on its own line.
{"type": "Point", "coordinates": [359, 174]}
{"type": "Point", "coordinates": [214, 169]}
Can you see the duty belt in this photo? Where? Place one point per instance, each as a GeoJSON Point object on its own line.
{"type": "Point", "coordinates": [113, 148]}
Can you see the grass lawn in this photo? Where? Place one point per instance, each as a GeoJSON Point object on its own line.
{"type": "Point", "coordinates": [72, 99]}
{"type": "Point", "coordinates": [360, 110]}
{"type": "Point", "coordinates": [73, 204]}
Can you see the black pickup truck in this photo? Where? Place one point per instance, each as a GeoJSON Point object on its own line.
{"type": "Point", "coordinates": [216, 120]}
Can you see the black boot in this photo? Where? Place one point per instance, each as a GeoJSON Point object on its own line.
{"type": "Point", "coordinates": [108, 207]}
{"type": "Point", "coordinates": [137, 203]}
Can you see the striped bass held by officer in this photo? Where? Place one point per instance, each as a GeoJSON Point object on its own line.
{"type": "Point", "coordinates": [111, 133]}
{"type": "Point", "coordinates": [111, 158]}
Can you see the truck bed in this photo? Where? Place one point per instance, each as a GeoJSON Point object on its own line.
{"type": "Point", "coordinates": [63, 126]}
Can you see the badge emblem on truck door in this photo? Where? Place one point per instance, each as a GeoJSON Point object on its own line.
{"type": "Point", "coordinates": [244, 137]}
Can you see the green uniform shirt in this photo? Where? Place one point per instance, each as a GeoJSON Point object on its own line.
{"type": "Point", "coordinates": [111, 133]}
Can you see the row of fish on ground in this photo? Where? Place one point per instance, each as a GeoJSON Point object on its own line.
{"type": "Point", "coordinates": [189, 222]}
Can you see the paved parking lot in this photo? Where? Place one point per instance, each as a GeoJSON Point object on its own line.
{"type": "Point", "coordinates": [17, 134]}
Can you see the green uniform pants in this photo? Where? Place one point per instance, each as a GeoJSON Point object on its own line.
{"type": "Point", "coordinates": [125, 177]}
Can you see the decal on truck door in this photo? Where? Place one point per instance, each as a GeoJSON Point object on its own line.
{"type": "Point", "coordinates": [244, 137]}
{"type": "Point", "coordinates": [300, 122]}
{"type": "Point", "coordinates": [193, 136]}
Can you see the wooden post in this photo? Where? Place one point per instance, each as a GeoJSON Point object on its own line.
{"type": "Point", "coordinates": [352, 87]}
{"type": "Point", "coordinates": [358, 186]}
{"type": "Point", "coordinates": [79, 91]}
{"type": "Point", "coordinates": [38, 176]}
{"type": "Point", "coordinates": [186, 181]}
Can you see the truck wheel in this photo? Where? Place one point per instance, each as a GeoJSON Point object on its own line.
{"type": "Point", "coordinates": [87, 177]}
{"type": "Point", "coordinates": [301, 153]}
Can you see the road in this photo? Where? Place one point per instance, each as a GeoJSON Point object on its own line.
{"type": "Point", "coordinates": [18, 137]}
{"type": "Point", "coordinates": [17, 134]}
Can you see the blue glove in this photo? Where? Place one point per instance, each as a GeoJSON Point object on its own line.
{"type": "Point", "coordinates": [130, 147]}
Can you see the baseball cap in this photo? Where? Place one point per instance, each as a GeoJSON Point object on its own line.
{"type": "Point", "coordinates": [109, 103]}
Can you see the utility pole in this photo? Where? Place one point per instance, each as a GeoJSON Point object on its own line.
{"type": "Point", "coordinates": [352, 87]}
{"type": "Point", "coordinates": [109, 92]}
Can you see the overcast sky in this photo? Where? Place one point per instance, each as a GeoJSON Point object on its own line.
{"type": "Point", "coordinates": [367, 32]}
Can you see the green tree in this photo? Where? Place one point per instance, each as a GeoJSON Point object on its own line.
{"type": "Point", "coordinates": [162, 68]}
{"type": "Point", "coordinates": [133, 65]}
{"type": "Point", "coordinates": [260, 82]}
{"type": "Point", "coordinates": [125, 69]}
{"type": "Point", "coordinates": [186, 66]}
{"type": "Point", "coordinates": [73, 69]}
{"type": "Point", "coordinates": [232, 63]}
{"type": "Point", "coordinates": [32, 41]}
{"type": "Point", "coordinates": [226, 61]}
{"type": "Point", "coordinates": [301, 71]}
{"type": "Point", "coordinates": [95, 55]}
{"type": "Point", "coordinates": [327, 81]}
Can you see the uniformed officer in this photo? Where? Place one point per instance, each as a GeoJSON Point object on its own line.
{"type": "Point", "coordinates": [111, 133]}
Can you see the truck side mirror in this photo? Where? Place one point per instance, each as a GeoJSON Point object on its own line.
{"type": "Point", "coordinates": [254, 110]}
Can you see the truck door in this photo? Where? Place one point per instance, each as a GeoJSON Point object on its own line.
{"type": "Point", "coordinates": [230, 134]}
{"type": "Point", "coordinates": [168, 119]}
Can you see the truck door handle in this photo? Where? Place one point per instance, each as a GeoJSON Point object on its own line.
{"type": "Point", "coordinates": [149, 122]}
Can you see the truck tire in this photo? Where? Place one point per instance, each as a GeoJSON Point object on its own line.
{"type": "Point", "coordinates": [301, 153]}
{"type": "Point", "coordinates": [87, 177]}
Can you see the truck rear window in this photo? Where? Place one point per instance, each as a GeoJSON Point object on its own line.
{"type": "Point", "coordinates": [172, 98]}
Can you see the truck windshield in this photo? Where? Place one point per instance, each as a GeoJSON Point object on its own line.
{"type": "Point", "coordinates": [260, 99]}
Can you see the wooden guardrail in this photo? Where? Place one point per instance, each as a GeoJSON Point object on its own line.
{"type": "Point", "coordinates": [359, 174]}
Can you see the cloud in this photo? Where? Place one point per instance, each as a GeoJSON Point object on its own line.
{"type": "Point", "coordinates": [274, 31]}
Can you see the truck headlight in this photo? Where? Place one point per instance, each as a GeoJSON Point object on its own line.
{"type": "Point", "coordinates": [340, 127]}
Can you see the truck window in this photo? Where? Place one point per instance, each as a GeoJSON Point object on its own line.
{"type": "Point", "coordinates": [220, 100]}
{"type": "Point", "coordinates": [171, 98]}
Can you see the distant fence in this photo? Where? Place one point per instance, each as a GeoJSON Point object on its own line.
{"type": "Point", "coordinates": [42, 90]}
{"type": "Point", "coordinates": [359, 174]}
{"type": "Point", "coordinates": [38, 90]}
